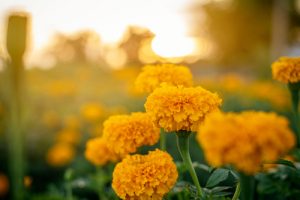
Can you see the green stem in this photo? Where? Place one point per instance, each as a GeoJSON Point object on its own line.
{"type": "Point", "coordinates": [163, 145]}
{"type": "Point", "coordinates": [237, 192]}
{"type": "Point", "coordinates": [247, 186]}
{"type": "Point", "coordinates": [183, 147]}
{"type": "Point", "coordinates": [16, 46]}
{"type": "Point", "coordinates": [69, 191]}
{"type": "Point", "coordinates": [294, 90]}
{"type": "Point", "coordinates": [68, 178]}
{"type": "Point", "coordinates": [101, 183]}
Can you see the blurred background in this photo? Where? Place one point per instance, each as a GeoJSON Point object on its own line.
{"type": "Point", "coordinates": [82, 57]}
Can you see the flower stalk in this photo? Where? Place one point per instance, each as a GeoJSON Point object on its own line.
{"type": "Point", "coordinates": [100, 182]}
{"type": "Point", "coordinates": [247, 186]}
{"type": "Point", "coordinates": [68, 186]}
{"type": "Point", "coordinates": [237, 192]}
{"type": "Point", "coordinates": [162, 140]}
{"type": "Point", "coordinates": [183, 147]}
{"type": "Point", "coordinates": [16, 46]}
{"type": "Point", "coordinates": [294, 90]}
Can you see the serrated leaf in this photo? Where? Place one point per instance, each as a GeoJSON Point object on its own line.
{"type": "Point", "coordinates": [217, 176]}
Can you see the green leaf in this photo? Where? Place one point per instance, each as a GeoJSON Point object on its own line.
{"type": "Point", "coordinates": [217, 176]}
{"type": "Point", "coordinates": [216, 190]}
{"type": "Point", "coordinates": [286, 163]}
{"type": "Point", "coordinates": [202, 166]}
{"type": "Point", "coordinates": [296, 154]}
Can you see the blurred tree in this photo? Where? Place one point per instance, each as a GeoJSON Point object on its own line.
{"type": "Point", "coordinates": [82, 46]}
{"type": "Point", "coordinates": [239, 29]}
{"type": "Point", "coordinates": [133, 40]}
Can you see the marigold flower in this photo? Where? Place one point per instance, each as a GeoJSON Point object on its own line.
{"type": "Point", "coordinates": [68, 136]}
{"type": "Point", "coordinates": [98, 153]}
{"type": "Point", "coordinates": [125, 133]}
{"type": "Point", "coordinates": [287, 70]}
{"type": "Point", "coordinates": [92, 111]}
{"type": "Point", "coordinates": [153, 75]}
{"type": "Point", "coordinates": [179, 108]}
{"type": "Point", "coordinates": [60, 154]}
{"type": "Point", "coordinates": [245, 140]}
{"type": "Point", "coordinates": [147, 177]}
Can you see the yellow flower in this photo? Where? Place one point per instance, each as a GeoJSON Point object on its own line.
{"type": "Point", "coordinates": [277, 95]}
{"type": "Point", "coordinates": [125, 133]}
{"type": "Point", "coordinates": [152, 76]}
{"type": "Point", "coordinates": [287, 70]}
{"type": "Point", "coordinates": [68, 136]}
{"type": "Point", "coordinates": [98, 153]}
{"type": "Point", "coordinates": [178, 108]}
{"type": "Point", "coordinates": [245, 140]}
{"type": "Point", "coordinates": [92, 112]}
{"type": "Point", "coordinates": [146, 177]}
{"type": "Point", "coordinates": [60, 155]}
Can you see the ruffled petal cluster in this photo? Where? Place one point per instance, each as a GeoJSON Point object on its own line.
{"type": "Point", "coordinates": [177, 108]}
{"type": "Point", "coordinates": [147, 177]}
{"type": "Point", "coordinates": [245, 140]}
{"type": "Point", "coordinates": [98, 153]}
{"type": "Point", "coordinates": [287, 70]}
{"type": "Point", "coordinates": [125, 133]}
{"type": "Point", "coordinates": [152, 76]}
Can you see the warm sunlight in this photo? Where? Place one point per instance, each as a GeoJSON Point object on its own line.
{"type": "Point", "coordinates": [173, 46]}
{"type": "Point", "coordinates": [94, 95]}
{"type": "Point", "coordinates": [109, 19]}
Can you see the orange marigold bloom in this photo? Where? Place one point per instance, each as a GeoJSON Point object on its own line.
{"type": "Point", "coordinates": [287, 70]}
{"type": "Point", "coordinates": [125, 133]}
{"type": "Point", "coordinates": [178, 108]}
{"type": "Point", "coordinates": [153, 75]}
{"type": "Point", "coordinates": [68, 136]}
{"type": "Point", "coordinates": [60, 154]}
{"type": "Point", "coordinates": [92, 111]}
{"type": "Point", "coordinates": [98, 153]}
{"type": "Point", "coordinates": [245, 140]}
{"type": "Point", "coordinates": [147, 177]}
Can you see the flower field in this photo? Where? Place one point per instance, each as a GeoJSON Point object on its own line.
{"type": "Point", "coordinates": [163, 130]}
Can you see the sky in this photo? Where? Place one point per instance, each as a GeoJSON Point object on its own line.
{"type": "Point", "coordinates": [109, 18]}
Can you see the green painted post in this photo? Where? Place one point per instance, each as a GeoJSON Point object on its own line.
{"type": "Point", "coordinates": [16, 39]}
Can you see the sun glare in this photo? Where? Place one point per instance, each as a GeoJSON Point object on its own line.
{"type": "Point", "coordinates": [173, 46]}
{"type": "Point", "coordinates": [109, 19]}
